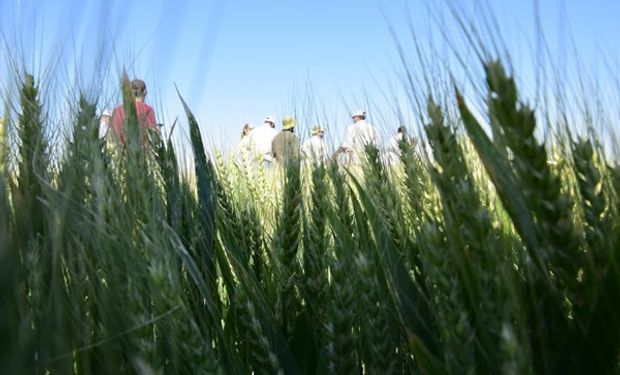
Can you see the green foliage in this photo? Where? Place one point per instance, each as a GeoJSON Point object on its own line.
{"type": "Point", "coordinates": [33, 163]}
{"type": "Point", "coordinates": [316, 241]}
{"type": "Point", "coordinates": [560, 336]}
{"type": "Point", "coordinates": [483, 257]}
{"type": "Point", "coordinates": [285, 246]}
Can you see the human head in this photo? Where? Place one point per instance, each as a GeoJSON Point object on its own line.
{"type": "Point", "coordinates": [402, 130]}
{"type": "Point", "coordinates": [106, 116]}
{"type": "Point", "coordinates": [269, 120]}
{"type": "Point", "coordinates": [318, 131]}
{"type": "Point", "coordinates": [358, 115]}
{"type": "Point", "coordinates": [247, 128]}
{"type": "Point", "coordinates": [288, 123]}
{"type": "Point", "coordinates": [138, 89]}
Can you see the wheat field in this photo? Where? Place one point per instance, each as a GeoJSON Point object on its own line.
{"type": "Point", "coordinates": [483, 256]}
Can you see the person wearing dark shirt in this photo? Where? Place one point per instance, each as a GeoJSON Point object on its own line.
{"type": "Point", "coordinates": [285, 145]}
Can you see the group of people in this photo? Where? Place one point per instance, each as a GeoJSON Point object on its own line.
{"type": "Point", "coordinates": [264, 141]}
{"type": "Point", "coordinates": [282, 146]}
{"type": "Point", "coordinates": [273, 146]}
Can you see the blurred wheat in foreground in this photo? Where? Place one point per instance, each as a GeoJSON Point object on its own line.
{"type": "Point", "coordinates": [485, 258]}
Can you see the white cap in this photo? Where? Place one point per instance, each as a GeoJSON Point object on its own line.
{"type": "Point", "coordinates": [359, 113]}
{"type": "Point", "coordinates": [270, 119]}
{"type": "Point", "coordinates": [106, 112]}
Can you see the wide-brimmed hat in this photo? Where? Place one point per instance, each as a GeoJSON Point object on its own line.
{"type": "Point", "coordinates": [270, 119]}
{"type": "Point", "coordinates": [316, 130]}
{"type": "Point", "coordinates": [288, 123]}
{"type": "Point", "coordinates": [106, 112]}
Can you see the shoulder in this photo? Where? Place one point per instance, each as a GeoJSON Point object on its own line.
{"type": "Point", "coordinates": [118, 114]}
{"type": "Point", "coordinates": [143, 106]}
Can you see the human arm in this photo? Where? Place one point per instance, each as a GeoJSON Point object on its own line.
{"type": "Point", "coordinates": [116, 123]}
{"type": "Point", "coordinates": [150, 119]}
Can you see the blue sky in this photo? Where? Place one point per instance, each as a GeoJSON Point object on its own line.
{"type": "Point", "coordinates": [240, 60]}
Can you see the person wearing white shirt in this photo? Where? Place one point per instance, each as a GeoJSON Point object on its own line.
{"type": "Point", "coordinates": [262, 136]}
{"type": "Point", "coordinates": [314, 148]}
{"type": "Point", "coordinates": [359, 135]}
{"type": "Point", "coordinates": [245, 144]}
{"type": "Point", "coordinates": [392, 149]}
{"type": "Point", "coordinates": [104, 123]}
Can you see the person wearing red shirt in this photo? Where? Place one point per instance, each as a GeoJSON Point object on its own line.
{"type": "Point", "coordinates": [146, 114]}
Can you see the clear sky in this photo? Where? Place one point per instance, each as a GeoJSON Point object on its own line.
{"type": "Point", "coordinates": [239, 60]}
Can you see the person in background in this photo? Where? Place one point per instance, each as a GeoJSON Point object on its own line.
{"type": "Point", "coordinates": [262, 137]}
{"type": "Point", "coordinates": [392, 149]}
{"type": "Point", "coordinates": [285, 145]}
{"type": "Point", "coordinates": [245, 144]}
{"type": "Point", "coordinates": [314, 148]}
{"type": "Point", "coordinates": [359, 135]}
{"type": "Point", "coordinates": [104, 123]}
{"type": "Point", "coordinates": [146, 114]}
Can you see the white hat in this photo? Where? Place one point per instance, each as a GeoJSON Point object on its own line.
{"type": "Point", "coordinates": [106, 112]}
{"type": "Point", "coordinates": [359, 113]}
{"type": "Point", "coordinates": [270, 119]}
